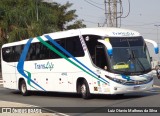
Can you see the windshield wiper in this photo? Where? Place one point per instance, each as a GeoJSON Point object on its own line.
{"type": "Point", "coordinates": [139, 62]}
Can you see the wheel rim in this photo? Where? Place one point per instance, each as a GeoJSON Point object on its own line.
{"type": "Point", "coordinates": [23, 88]}
{"type": "Point", "coordinates": [83, 89]}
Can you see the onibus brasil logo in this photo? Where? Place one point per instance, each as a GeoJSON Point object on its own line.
{"type": "Point", "coordinates": [47, 65]}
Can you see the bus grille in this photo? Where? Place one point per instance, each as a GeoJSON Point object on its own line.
{"type": "Point", "coordinates": [138, 82]}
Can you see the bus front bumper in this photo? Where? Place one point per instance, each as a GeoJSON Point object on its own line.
{"type": "Point", "coordinates": [122, 89]}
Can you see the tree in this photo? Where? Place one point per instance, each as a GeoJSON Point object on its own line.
{"type": "Point", "coordinates": [77, 24]}
{"type": "Point", "coordinates": [20, 19]}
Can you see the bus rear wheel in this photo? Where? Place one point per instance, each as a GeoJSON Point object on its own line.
{"type": "Point", "coordinates": [84, 88]}
{"type": "Point", "coordinates": [23, 88]}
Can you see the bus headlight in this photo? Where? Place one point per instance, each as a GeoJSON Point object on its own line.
{"type": "Point", "coordinates": [120, 81]}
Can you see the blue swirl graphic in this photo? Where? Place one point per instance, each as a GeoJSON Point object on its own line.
{"type": "Point", "coordinates": [20, 65]}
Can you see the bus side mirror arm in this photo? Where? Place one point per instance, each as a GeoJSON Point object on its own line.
{"type": "Point", "coordinates": [108, 45]}
{"type": "Point", "coordinates": [156, 49]}
{"type": "Point", "coordinates": [151, 59]}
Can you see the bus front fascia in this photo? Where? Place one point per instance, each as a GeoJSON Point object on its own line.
{"type": "Point", "coordinates": [156, 49]}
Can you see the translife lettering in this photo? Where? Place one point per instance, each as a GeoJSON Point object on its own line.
{"type": "Point", "coordinates": [47, 65]}
{"type": "Point", "coordinates": [123, 33]}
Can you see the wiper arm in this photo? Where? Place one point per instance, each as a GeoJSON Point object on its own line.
{"type": "Point", "coordinates": [139, 62]}
{"type": "Point", "coordinates": [141, 65]}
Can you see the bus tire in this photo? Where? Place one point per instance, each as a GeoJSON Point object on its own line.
{"type": "Point", "coordinates": [23, 88]}
{"type": "Point", "coordinates": [84, 89]}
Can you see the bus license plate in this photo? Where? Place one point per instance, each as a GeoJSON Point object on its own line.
{"type": "Point", "coordinates": [136, 87]}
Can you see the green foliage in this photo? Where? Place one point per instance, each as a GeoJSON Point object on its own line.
{"type": "Point", "coordinates": [21, 19]}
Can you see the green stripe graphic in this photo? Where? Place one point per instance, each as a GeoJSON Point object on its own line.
{"type": "Point", "coordinates": [28, 81]}
{"type": "Point", "coordinates": [63, 56]}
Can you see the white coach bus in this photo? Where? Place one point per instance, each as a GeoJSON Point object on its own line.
{"type": "Point", "coordinates": [85, 61]}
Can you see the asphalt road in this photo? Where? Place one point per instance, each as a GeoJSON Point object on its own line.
{"type": "Point", "coordinates": [52, 100]}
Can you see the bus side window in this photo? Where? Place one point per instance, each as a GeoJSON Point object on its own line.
{"type": "Point", "coordinates": [33, 53]}
{"type": "Point", "coordinates": [18, 51]}
{"type": "Point", "coordinates": [38, 51]}
{"type": "Point", "coordinates": [62, 43]}
{"type": "Point", "coordinates": [6, 54]}
{"type": "Point", "coordinates": [42, 51]}
{"type": "Point", "coordinates": [74, 47]}
{"type": "Point", "coordinates": [12, 53]}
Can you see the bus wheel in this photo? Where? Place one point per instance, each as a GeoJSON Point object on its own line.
{"type": "Point", "coordinates": [23, 88]}
{"type": "Point", "coordinates": [85, 90]}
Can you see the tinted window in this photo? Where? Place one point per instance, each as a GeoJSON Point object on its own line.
{"type": "Point", "coordinates": [74, 47]}
{"type": "Point", "coordinates": [62, 43]}
{"type": "Point", "coordinates": [38, 51]}
{"type": "Point", "coordinates": [6, 53]}
{"type": "Point", "coordinates": [12, 54]}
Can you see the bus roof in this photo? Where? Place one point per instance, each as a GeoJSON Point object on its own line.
{"type": "Point", "coordinates": [101, 31]}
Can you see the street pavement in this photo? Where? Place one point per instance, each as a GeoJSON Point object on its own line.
{"type": "Point", "coordinates": [4, 104]}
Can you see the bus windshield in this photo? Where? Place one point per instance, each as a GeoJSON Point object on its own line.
{"type": "Point", "coordinates": [130, 55]}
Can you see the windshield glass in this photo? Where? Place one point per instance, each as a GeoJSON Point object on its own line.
{"type": "Point", "coordinates": [130, 55]}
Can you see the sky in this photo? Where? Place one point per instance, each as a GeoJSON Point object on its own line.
{"type": "Point", "coordinates": [144, 15]}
